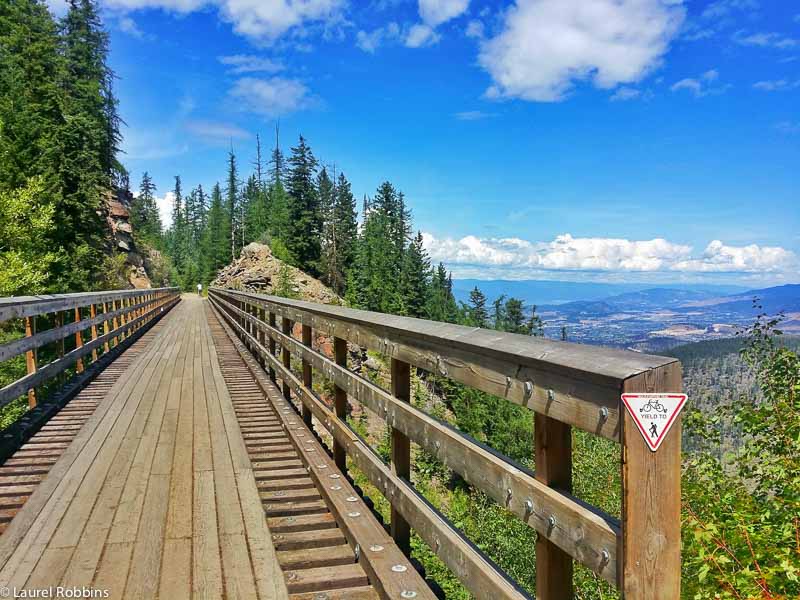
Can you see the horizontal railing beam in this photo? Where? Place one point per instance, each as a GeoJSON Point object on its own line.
{"type": "Point", "coordinates": [16, 307]}
{"type": "Point", "coordinates": [574, 383]}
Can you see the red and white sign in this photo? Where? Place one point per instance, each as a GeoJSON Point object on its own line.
{"type": "Point", "coordinates": [654, 414]}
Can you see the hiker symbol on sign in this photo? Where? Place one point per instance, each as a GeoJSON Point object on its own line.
{"type": "Point", "coordinates": [654, 414]}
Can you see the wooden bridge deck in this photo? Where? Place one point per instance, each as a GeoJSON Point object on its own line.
{"type": "Point", "coordinates": [156, 496]}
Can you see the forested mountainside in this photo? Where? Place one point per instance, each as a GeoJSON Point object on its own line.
{"type": "Point", "coordinates": [61, 181]}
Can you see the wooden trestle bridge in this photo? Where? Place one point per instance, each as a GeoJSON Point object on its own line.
{"type": "Point", "coordinates": [178, 447]}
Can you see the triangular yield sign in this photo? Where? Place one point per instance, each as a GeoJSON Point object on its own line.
{"type": "Point", "coordinates": [654, 414]}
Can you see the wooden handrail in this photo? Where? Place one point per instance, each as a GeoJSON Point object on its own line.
{"type": "Point", "coordinates": [640, 555]}
{"type": "Point", "coordinates": [142, 307]}
{"type": "Point", "coordinates": [574, 383]}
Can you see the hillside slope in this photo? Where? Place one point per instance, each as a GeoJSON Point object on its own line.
{"type": "Point", "coordinates": [258, 270]}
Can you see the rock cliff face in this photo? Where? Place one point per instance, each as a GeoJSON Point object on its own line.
{"type": "Point", "coordinates": [257, 270]}
{"type": "Point", "coordinates": [118, 214]}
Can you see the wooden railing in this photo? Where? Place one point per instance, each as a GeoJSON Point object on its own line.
{"type": "Point", "coordinates": [565, 385]}
{"type": "Point", "coordinates": [90, 324]}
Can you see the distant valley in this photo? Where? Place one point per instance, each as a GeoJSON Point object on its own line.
{"type": "Point", "coordinates": [648, 319]}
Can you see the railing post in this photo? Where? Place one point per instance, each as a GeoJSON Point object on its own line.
{"type": "Point", "coordinates": [286, 356]}
{"type": "Point", "coordinates": [307, 382]}
{"type": "Point", "coordinates": [106, 328]}
{"type": "Point", "coordinates": [78, 340]}
{"type": "Point", "coordinates": [650, 567]}
{"type": "Point", "coordinates": [30, 358]}
{"type": "Point", "coordinates": [553, 451]}
{"type": "Point", "coordinates": [272, 346]}
{"type": "Point", "coordinates": [92, 315]}
{"type": "Point", "coordinates": [401, 451]}
{"type": "Point", "coordinates": [340, 402]}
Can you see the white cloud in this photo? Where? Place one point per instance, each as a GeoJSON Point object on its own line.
{"type": "Point", "coordinates": [625, 93]}
{"type": "Point", "coordinates": [547, 45]}
{"type": "Point", "coordinates": [701, 86]}
{"type": "Point", "coordinates": [421, 35]}
{"type": "Point", "coordinates": [779, 85]}
{"type": "Point", "coordinates": [214, 131]}
{"type": "Point", "coordinates": [129, 26]}
{"type": "Point", "coordinates": [472, 115]}
{"type": "Point", "coordinates": [566, 253]}
{"type": "Point", "coordinates": [765, 40]}
{"type": "Point", "coordinates": [272, 97]}
{"type": "Point", "coordinates": [475, 29]}
{"type": "Point", "coordinates": [718, 257]}
{"type": "Point", "coordinates": [263, 20]}
{"type": "Point", "coordinates": [723, 8]}
{"type": "Point", "coordinates": [371, 41]}
{"type": "Point", "coordinates": [433, 13]}
{"type": "Point", "coordinates": [164, 204]}
{"type": "Point", "coordinates": [436, 12]}
{"type": "Point", "coordinates": [248, 63]}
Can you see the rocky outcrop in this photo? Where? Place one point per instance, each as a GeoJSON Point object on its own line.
{"type": "Point", "coordinates": [117, 212]}
{"type": "Point", "coordinates": [258, 270]}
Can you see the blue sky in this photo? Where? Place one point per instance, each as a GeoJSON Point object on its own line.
{"type": "Point", "coordinates": [616, 140]}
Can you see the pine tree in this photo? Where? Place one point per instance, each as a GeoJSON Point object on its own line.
{"type": "Point", "coordinates": [257, 210]}
{"type": "Point", "coordinates": [327, 199]}
{"type": "Point", "coordinates": [177, 235]}
{"type": "Point", "coordinates": [478, 315]}
{"type": "Point", "coordinates": [534, 325]}
{"type": "Point", "coordinates": [441, 305]}
{"type": "Point", "coordinates": [344, 234]}
{"type": "Point", "coordinates": [305, 218]}
{"type": "Point", "coordinates": [414, 285]}
{"type": "Point", "coordinates": [515, 316]}
{"type": "Point", "coordinates": [276, 161]}
{"type": "Point", "coordinates": [215, 249]}
{"type": "Point", "coordinates": [232, 205]}
{"type": "Point", "coordinates": [145, 218]}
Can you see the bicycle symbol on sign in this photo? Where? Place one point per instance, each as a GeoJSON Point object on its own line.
{"type": "Point", "coordinates": [654, 405]}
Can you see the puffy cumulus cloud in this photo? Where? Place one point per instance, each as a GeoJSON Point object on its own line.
{"type": "Point", "coordinates": [718, 257]}
{"type": "Point", "coordinates": [545, 46]}
{"type": "Point", "coordinates": [272, 97]}
{"type": "Point", "coordinates": [248, 63]}
{"type": "Point", "coordinates": [433, 13]}
{"type": "Point", "coordinates": [421, 35]}
{"type": "Point", "coordinates": [263, 20]}
{"type": "Point", "coordinates": [436, 12]}
{"type": "Point", "coordinates": [567, 253]}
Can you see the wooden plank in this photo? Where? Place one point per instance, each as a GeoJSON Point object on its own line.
{"type": "Point", "coordinates": [401, 451]}
{"type": "Point", "coordinates": [325, 578]}
{"type": "Point", "coordinates": [589, 535]}
{"type": "Point", "coordinates": [553, 448]}
{"type": "Point", "coordinates": [651, 501]}
{"type": "Point", "coordinates": [206, 567]}
{"type": "Point", "coordinates": [112, 574]}
{"type": "Point", "coordinates": [320, 557]}
{"type": "Point", "coordinates": [176, 569]}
